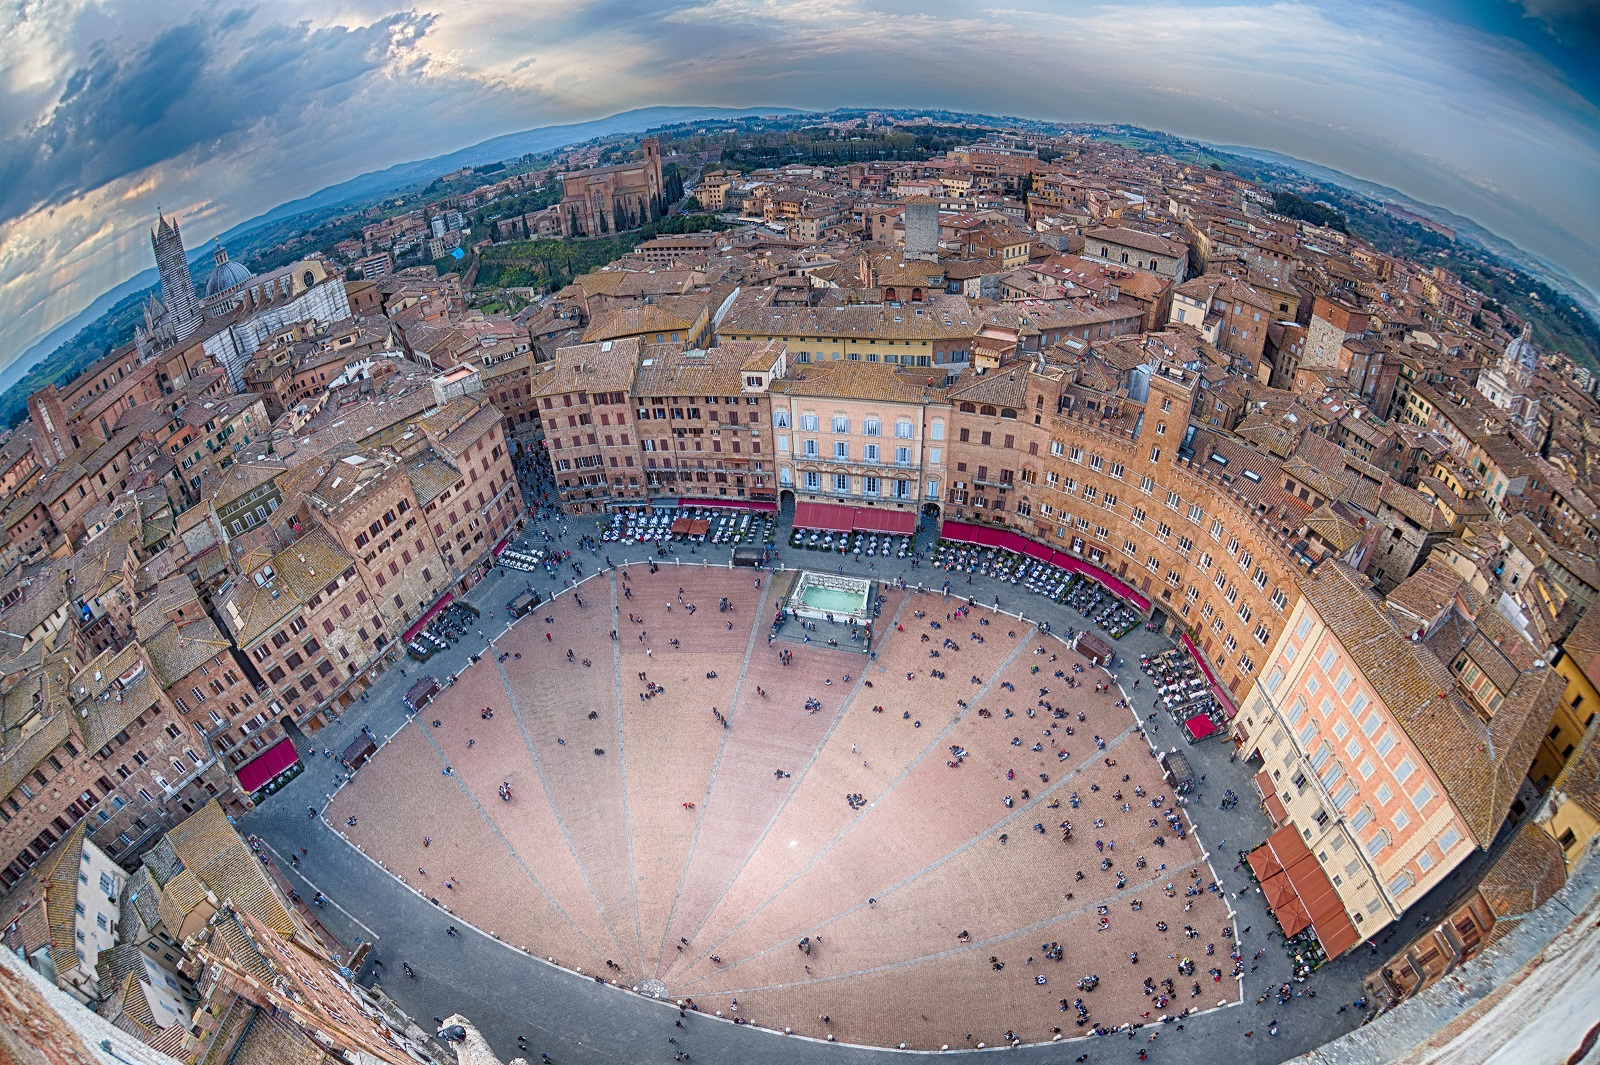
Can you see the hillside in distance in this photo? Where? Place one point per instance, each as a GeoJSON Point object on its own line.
{"type": "Point", "coordinates": [508, 146]}
{"type": "Point", "coordinates": [1535, 266]}
{"type": "Point", "coordinates": [1566, 316]}
{"type": "Point", "coordinates": [83, 338]}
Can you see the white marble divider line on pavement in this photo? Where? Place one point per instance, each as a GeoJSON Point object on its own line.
{"type": "Point", "coordinates": [612, 581]}
{"type": "Point", "coordinates": [705, 801]}
{"type": "Point", "coordinates": [458, 919]}
{"type": "Point", "coordinates": [816, 753]}
{"type": "Point", "coordinates": [295, 870]}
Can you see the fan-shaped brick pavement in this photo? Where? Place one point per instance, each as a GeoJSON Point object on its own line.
{"type": "Point", "coordinates": [908, 903]}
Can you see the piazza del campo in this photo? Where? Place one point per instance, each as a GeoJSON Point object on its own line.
{"type": "Point", "coordinates": [807, 588]}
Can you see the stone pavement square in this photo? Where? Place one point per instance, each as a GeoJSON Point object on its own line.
{"type": "Point", "coordinates": [597, 858]}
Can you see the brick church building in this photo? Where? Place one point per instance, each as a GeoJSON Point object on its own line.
{"type": "Point", "coordinates": [607, 199]}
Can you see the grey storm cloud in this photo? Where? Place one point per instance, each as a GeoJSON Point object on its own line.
{"type": "Point", "coordinates": [189, 87]}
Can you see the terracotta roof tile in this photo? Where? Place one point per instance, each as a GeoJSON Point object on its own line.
{"type": "Point", "coordinates": [855, 380]}
{"type": "Point", "coordinates": [1526, 874]}
{"type": "Point", "coordinates": [667, 370]}
{"type": "Point", "coordinates": [608, 366]}
{"type": "Point", "coordinates": [212, 851]}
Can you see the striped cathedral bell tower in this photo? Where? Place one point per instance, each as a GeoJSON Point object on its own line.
{"type": "Point", "coordinates": [177, 286]}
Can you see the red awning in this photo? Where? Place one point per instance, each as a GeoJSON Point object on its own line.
{"type": "Point", "coordinates": [1304, 894]}
{"type": "Point", "coordinates": [1291, 911]}
{"type": "Point", "coordinates": [427, 616]}
{"type": "Point", "coordinates": [958, 531]}
{"type": "Point", "coordinates": [824, 516]}
{"type": "Point", "coordinates": [1199, 727]}
{"type": "Point", "coordinates": [1335, 932]}
{"type": "Point", "coordinates": [1037, 551]}
{"type": "Point", "coordinates": [1211, 678]}
{"type": "Point", "coordinates": [1269, 798]}
{"type": "Point", "coordinates": [1265, 863]}
{"type": "Point", "coordinates": [501, 546]}
{"type": "Point", "coordinates": [985, 536]}
{"type": "Point", "coordinates": [271, 762]}
{"type": "Point", "coordinates": [1121, 589]}
{"type": "Point", "coordinates": [1113, 584]}
{"type": "Point", "coordinates": [873, 520]}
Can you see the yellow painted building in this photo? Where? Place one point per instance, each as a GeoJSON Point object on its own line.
{"type": "Point", "coordinates": [1579, 664]}
{"type": "Point", "coordinates": [858, 434]}
{"type": "Point", "coordinates": [713, 190]}
{"type": "Point", "coordinates": [1572, 813]}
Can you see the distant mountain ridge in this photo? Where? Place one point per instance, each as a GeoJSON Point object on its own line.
{"type": "Point", "coordinates": [540, 139]}
{"type": "Point", "coordinates": [507, 146]}
{"type": "Point", "coordinates": [1545, 271]}
{"type": "Point", "coordinates": [376, 183]}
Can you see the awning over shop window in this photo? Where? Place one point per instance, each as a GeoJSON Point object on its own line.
{"type": "Point", "coordinates": [1269, 798]}
{"type": "Point", "coordinates": [968, 533]}
{"type": "Point", "coordinates": [1223, 695]}
{"type": "Point", "coordinates": [271, 762]}
{"type": "Point", "coordinates": [985, 536]}
{"type": "Point", "coordinates": [874, 520]}
{"type": "Point", "coordinates": [427, 616]}
{"type": "Point", "coordinates": [1038, 551]}
{"type": "Point", "coordinates": [1299, 892]}
{"type": "Point", "coordinates": [825, 517]}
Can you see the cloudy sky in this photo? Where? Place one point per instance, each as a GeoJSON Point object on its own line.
{"type": "Point", "coordinates": [109, 108]}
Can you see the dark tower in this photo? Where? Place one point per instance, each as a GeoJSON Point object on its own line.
{"type": "Point", "coordinates": [177, 287]}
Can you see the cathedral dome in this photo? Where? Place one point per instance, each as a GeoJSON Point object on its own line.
{"type": "Point", "coordinates": [228, 274]}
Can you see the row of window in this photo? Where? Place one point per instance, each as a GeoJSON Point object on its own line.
{"type": "Point", "coordinates": [841, 452]}
{"type": "Point", "coordinates": [840, 484]}
{"type": "Point", "coordinates": [904, 429]}
{"type": "Point", "coordinates": [1323, 760]}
